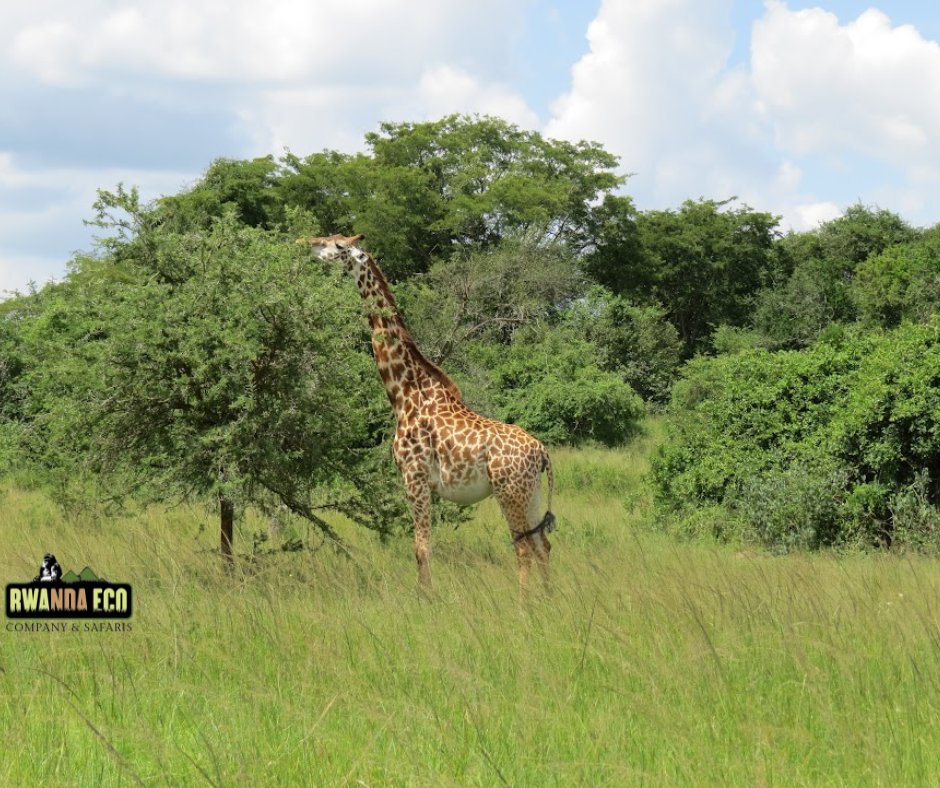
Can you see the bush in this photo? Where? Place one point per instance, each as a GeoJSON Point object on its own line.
{"type": "Point", "coordinates": [731, 339]}
{"type": "Point", "coordinates": [822, 265]}
{"type": "Point", "coordinates": [798, 507]}
{"type": "Point", "coordinates": [810, 448]}
{"type": "Point", "coordinates": [636, 342]}
{"type": "Point", "coordinates": [793, 314]}
{"type": "Point", "coordinates": [549, 383]}
{"type": "Point", "coordinates": [916, 520]}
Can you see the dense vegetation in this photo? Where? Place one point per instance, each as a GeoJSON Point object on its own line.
{"type": "Point", "coordinates": [834, 444]}
{"type": "Point", "coordinates": [198, 352]}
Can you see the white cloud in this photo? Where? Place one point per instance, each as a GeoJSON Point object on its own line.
{"type": "Point", "coordinates": [300, 75]}
{"type": "Point", "coordinates": [823, 112]}
{"type": "Point", "coordinates": [654, 88]}
{"type": "Point", "coordinates": [303, 119]}
{"type": "Point", "coordinates": [811, 215]}
{"type": "Point", "coordinates": [308, 119]}
{"type": "Point", "coordinates": [864, 87]}
{"type": "Point", "coordinates": [240, 41]}
{"type": "Point", "coordinates": [292, 73]}
{"type": "Point", "coordinates": [444, 90]}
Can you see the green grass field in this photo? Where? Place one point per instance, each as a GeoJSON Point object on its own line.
{"type": "Point", "coordinates": [653, 662]}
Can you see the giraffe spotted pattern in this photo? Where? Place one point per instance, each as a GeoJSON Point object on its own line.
{"type": "Point", "coordinates": [442, 447]}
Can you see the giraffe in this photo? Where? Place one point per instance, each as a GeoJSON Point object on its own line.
{"type": "Point", "coordinates": [441, 446]}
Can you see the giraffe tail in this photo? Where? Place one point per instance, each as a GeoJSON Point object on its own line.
{"type": "Point", "coordinates": [548, 521]}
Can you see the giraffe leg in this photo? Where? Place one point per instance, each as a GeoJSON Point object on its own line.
{"type": "Point", "coordinates": [541, 547]}
{"type": "Point", "coordinates": [524, 560]}
{"type": "Point", "coordinates": [419, 496]}
{"type": "Point", "coordinates": [513, 503]}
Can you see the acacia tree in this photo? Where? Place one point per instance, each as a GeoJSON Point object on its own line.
{"type": "Point", "coordinates": [229, 365]}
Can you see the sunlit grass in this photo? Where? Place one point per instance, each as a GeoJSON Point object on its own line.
{"type": "Point", "coordinates": [652, 661]}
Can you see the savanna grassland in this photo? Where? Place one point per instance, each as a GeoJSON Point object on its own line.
{"type": "Point", "coordinates": [652, 662]}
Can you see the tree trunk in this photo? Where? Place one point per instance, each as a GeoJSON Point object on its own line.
{"type": "Point", "coordinates": [227, 519]}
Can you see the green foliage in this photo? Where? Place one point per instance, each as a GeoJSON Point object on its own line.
{"type": "Point", "coordinates": [13, 394]}
{"type": "Point", "coordinates": [614, 250]}
{"type": "Point", "coordinates": [240, 374]}
{"type": "Point", "coordinates": [888, 428]}
{"type": "Point", "coordinates": [12, 360]}
{"type": "Point", "coordinates": [915, 515]}
{"type": "Point", "coordinates": [861, 232]}
{"type": "Point", "coordinates": [794, 507]}
{"type": "Point", "coordinates": [427, 190]}
{"type": "Point", "coordinates": [549, 382]}
{"type": "Point", "coordinates": [809, 448]}
{"type": "Point", "coordinates": [219, 362]}
{"type": "Point", "coordinates": [900, 283]}
{"type": "Point", "coordinates": [815, 283]}
{"type": "Point", "coordinates": [422, 192]}
{"type": "Point", "coordinates": [57, 355]}
{"type": "Point", "coordinates": [636, 342]}
{"type": "Point", "coordinates": [793, 313]}
{"type": "Point", "coordinates": [247, 187]}
{"type": "Point", "coordinates": [742, 414]}
{"type": "Point", "coordinates": [488, 295]}
{"type": "Point", "coordinates": [730, 339]}
{"type": "Point", "coordinates": [702, 263]}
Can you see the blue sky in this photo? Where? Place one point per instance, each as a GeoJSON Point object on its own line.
{"type": "Point", "coordinates": [798, 108]}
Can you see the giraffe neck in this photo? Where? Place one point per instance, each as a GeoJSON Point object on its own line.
{"type": "Point", "coordinates": [402, 367]}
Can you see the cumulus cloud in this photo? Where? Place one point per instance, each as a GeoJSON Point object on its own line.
{"type": "Point", "coordinates": [819, 105]}
{"type": "Point", "coordinates": [239, 41]}
{"type": "Point", "coordinates": [303, 119]}
{"type": "Point", "coordinates": [651, 78]}
{"type": "Point", "coordinates": [300, 75]}
{"type": "Point", "coordinates": [864, 86]}
{"type": "Point", "coordinates": [614, 91]}
{"type": "Point", "coordinates": [227, 76]}
{"type": "Point", "coordinates": [444, 90]}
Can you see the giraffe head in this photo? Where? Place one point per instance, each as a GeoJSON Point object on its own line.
{"type": "Point", "coordinates": [343, 248]}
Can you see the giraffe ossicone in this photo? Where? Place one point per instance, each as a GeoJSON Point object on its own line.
{"type": "Point", "coordinates": [441, 446]}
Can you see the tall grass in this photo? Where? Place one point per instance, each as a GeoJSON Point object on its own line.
{"type": "Point", "coordinates": [651, 662]}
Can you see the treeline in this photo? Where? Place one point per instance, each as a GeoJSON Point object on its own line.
{"type": "Point", "coordinates": [197, 350]}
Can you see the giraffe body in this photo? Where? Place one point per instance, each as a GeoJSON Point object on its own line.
{"type": "Point", "coordinates": [442, 447]}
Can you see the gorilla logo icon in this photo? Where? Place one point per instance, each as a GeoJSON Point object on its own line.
{"type": "Point", "coordinates": [49, 570]}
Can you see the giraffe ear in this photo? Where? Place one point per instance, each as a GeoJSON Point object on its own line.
{"type": "Point", "coordinates": [356, 238]}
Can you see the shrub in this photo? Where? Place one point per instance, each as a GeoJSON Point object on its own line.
{"type": "Point", "coordinates": [636, 342]}
{"type": "Point", "coordinates": [916, 520]}
{"type": "Point", "coordinates": [549, 383]}
{"type": "Point", "coordinates": [797, 507]}
{"type": "Point", "coordinates": [810, 448]}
